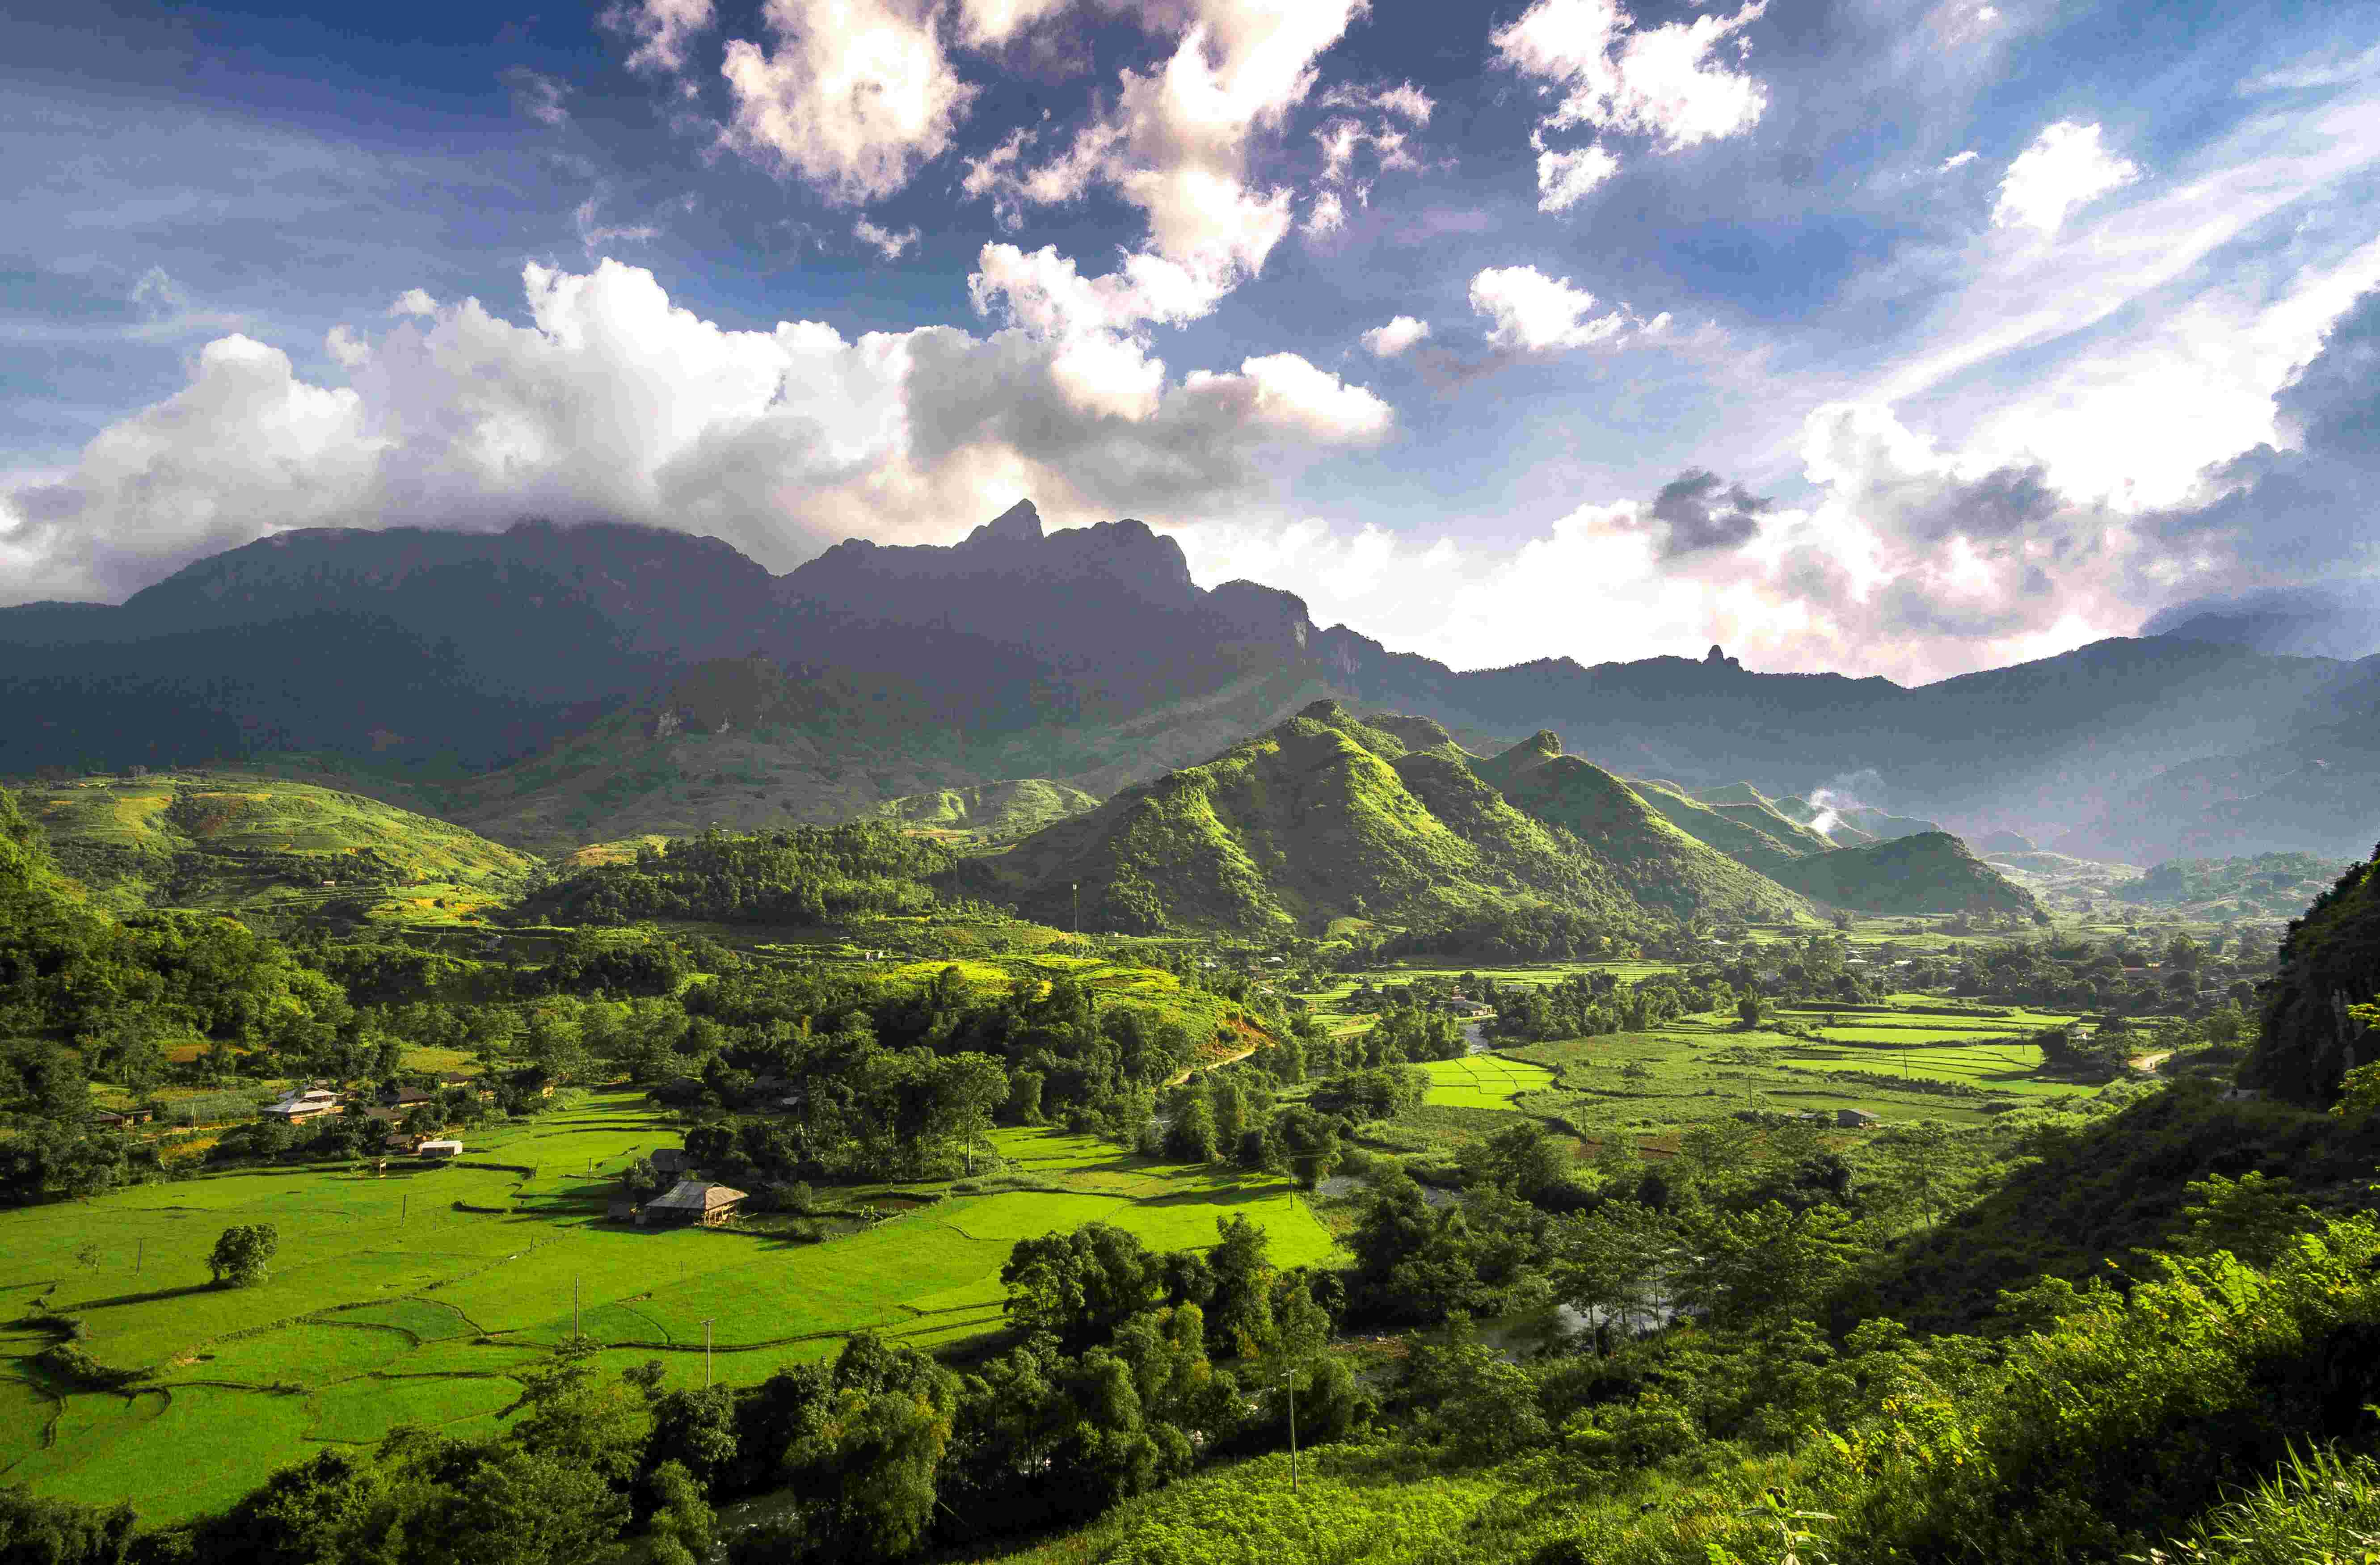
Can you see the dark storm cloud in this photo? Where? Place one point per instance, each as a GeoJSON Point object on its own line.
{"type": "Point", "coordinates": [1698, 510]}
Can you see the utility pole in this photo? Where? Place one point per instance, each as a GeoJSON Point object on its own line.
{"type": "Point", "coordinates": [706, 1352]}
{"type": "Point", "coordinates": [1077, 889]}
{"type": "Point", "coordinates": [574, 1309]}
{"type": "Point", "coordinates": [1289, 1389]}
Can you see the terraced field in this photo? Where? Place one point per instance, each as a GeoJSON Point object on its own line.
{"type": "Point", "coordinates": [1483, 1080]}
{"type": "Point", "coordinates": [422, 1296]}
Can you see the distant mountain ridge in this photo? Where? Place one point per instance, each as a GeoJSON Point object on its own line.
{"type": "Point", "coordinates": [475, 661]}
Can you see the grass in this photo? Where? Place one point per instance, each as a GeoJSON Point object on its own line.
{"type": "Point", "coordinates": [1483, 1080]}
{"type": "Point", "coordinates": [387, 1304]}
{"type": "Point", "coordinates": [267, 847]}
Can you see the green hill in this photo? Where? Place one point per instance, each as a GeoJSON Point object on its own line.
{"type": "Point", "coordinates": [991, 809]}
{"type": "Point", "coordinates": [1662, 867]}
{"type": "Point", "coordinates": [265, 846]}
{"type": "Point", "coordinates": [1325, 815]}
{"type": "Point", "coordinates": [1752, 832]}
{"type": "Point", "coordinates": [1931, 872]}
{"type": "Point", "coordinates": [2276, 885]}
{"type": "Point", "coordinates": [2328, 962]}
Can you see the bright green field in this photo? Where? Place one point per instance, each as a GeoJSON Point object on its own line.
{"type": "Point", "coordinates": [388, 1304]}
{"type": "Point", "coordinates": [1483, 1080]}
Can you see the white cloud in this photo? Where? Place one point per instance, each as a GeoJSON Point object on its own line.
{"type": "Point", "coordinates": [537, 96]}
{"type": "Point", "coordinates": [612, 402]}
{"type": "Point", "coordinates": [594, 234]}
{"type": "Point", "coordinates": [1958, 160]}
{"type": "Point", "coordinates": [883, 241]}
{"type": "Point", "coordinates": [1326, 217]}
{"type": "Point", "coordinates": [986, 24]}
{"type": "Point", "coordinates": [1909, 562]}
{"type": "Point", "coordinates": [1565, 178]}
{"type": "Point", "coordinates": [1535, 313]}
{"type": "Point", "coordinates": [662, 29]}
{"type": "Point", "coordinates": [1404, 100]}
{"type": "Point", "coordinates": [1176, 141]}
{"type": "Point", "coordinates": [1387, 342]}
{"type": "Point", "coordinates": [1610, 74]}
{"type": "Point", "coordinates": [852, 96]}
{"type": "Point", "coordinates": [2065, 168]}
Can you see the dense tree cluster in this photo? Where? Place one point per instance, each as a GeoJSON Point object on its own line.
{"type": "Point", "coordinates": [809, 876]}
{"type": "Point", "coordinates": [1129, 1369]}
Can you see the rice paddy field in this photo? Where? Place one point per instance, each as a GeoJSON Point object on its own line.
{"type": "Point", "coordinates": [422, 1296]}
{"type": "Point", "coordinates": [1483, 1080]}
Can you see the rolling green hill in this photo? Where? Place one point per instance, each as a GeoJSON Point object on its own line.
{"type": "Point", "coordinates": [1325, 815]}
{"type": "Point", "coordinates": [264, 845]}
{"type": "Point", "coordinates": [2274, 884]}
{"type": "Point", "coordinates": [992, 809]}
{"type": "Point", "coordinates": [1750, 830]}
{"type": "Point", "coordinates": [1931, 872]}
{"type": "Point", "coordinates": [1662, 867]}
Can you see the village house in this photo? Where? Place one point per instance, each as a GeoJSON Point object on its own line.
{"type": "Point", "coordinates": [691, 1201]}
{"type": "Point", "coordinates": [295, 1107]}
{"type": "Point", "coordinates": [676, 1162]}
{"type": "Point", "coordinates": [439, 1148]}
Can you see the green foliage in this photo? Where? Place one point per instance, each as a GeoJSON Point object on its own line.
{"type": "Point", "coordinates": [2330, 962]}
{"type": "Point", "coordinates": [1326, 815]}
{"type": "Point", "coordinates": [2277, 884]}
{"type": "Point", "coordinates": [2321, 1504]}
{"type": "Point", "coordinates": [809, 876]}
{"type": "Point", "coordinates": [240, 1254]}
{"type": "Point", "coordinates": [1930, 872]}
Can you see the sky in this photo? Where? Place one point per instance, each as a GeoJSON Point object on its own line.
{"type": "Point", "coordinates": [1851, 336]}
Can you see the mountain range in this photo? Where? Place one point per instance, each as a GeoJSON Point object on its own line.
{"type": "Point", "coordinates": [549, 686]}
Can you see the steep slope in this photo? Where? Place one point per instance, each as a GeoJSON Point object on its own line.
{"type": "Point", "coordinates": [1661, 866]}
{"type": "Point", "coordinates": [1007, 808]}
{"type": "Point", "coordinates": [260, 845]}
{"type": "Point", "coordinates": [1384, 816]}
{"type": "Point", "coordinates": [1317, 817]}
{"type": "Point", "coordinates": [2330, 962]}
{"type": "Point", "coordinates": [1931, 872]}
{"type": "Point", "coordinates": [1754, 834]}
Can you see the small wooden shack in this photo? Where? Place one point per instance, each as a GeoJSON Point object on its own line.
{"type": "Point", "coordinates": [439, 1148]}
{"type": "Point", "coordinates": [691, 1201]}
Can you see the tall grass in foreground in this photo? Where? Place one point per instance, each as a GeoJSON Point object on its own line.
{"type": "Point", "coordinates": [2320, 1508]}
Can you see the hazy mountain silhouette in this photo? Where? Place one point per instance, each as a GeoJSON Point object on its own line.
{"type": "Point", "coordinates": [1085, 656]}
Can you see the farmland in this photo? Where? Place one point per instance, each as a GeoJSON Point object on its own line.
{"type": "Point", "coordinates": [421, 1296]}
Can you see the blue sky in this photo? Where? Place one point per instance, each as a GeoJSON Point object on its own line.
{"type": "Point", "coordinates": [1864, 336]}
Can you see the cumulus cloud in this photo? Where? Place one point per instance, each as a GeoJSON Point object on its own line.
{"type": "Point", "coordinates": [2066, 167]}
{"type": "Point", "coordinates": [1533, 313]}
{"type": "Point", "coordinates": [1326, 217]}
{"type": "Point", "coordinates": [1387, 342]}
{"type": "Point", "coordinates": [883, 242]}
{"type": "Point", "coordinates": [612, 402]}
{"type": "Point", "coordinates": [663, 29]}
{"type": "Point", "coordinates": [1606, 72]}
{"type": "Point", "coordinates": [1958, 160]}
{"type": "Point", "coordinates": [1176, 141]}
{"type": "Point", "coordinates": [851, 95]}
{"type": "Point", "coordinates": [1566, 178]}
{"type": "Point", "coordinates": [1698, 510]}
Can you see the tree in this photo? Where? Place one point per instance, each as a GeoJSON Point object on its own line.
{"type": "Point", "coordinates": [1750, 1009]}
{"type": "Point", "coordinates": [240, 1253]}
{"type": "Point", "coordinates": [1190, 1138]}
{"type": "Point", "coordinates": [2249, 1216]}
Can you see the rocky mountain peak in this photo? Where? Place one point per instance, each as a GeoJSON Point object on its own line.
{"type": "Point", "coordinates": [1020, 523]}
